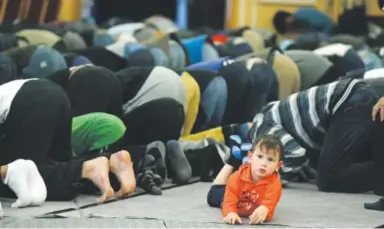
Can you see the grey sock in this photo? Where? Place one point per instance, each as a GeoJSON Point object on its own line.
{"type": "Point", "coordinates": [178, 162]}
{"type": "Point", "coordinates": [157, 150]}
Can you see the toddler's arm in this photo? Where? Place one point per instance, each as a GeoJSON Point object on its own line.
{"type": "Point", "coordinates": [231, 196]}
{"type": "Point", "coordinates": [272, 197]}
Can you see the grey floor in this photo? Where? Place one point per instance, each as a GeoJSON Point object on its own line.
{"type": "Point", "coordinates": [185, 207]}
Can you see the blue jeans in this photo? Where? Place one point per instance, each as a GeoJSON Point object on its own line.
{"type": "Point", "coordinates": [213, 102]}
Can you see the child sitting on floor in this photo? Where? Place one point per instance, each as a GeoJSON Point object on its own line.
{"type": "Point", "coordinates": [255, 189]}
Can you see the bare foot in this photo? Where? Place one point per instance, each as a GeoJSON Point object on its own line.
{"type": "Point", "coordinates": [97, 171]}
{"type": "Point", "coordinates": [122, 167]}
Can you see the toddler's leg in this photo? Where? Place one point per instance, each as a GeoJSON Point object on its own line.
{"type": "Point", "coordinates": [216, 192]}
{"type": "Point", "coordinates": [223, 176]}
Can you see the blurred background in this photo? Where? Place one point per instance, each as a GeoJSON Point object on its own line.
{"type": "Point", "coordinates": [216, 14]}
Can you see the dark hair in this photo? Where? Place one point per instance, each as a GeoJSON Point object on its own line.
{"type": "Point", "coordinates": [269, 141]}
{"type": "Point", "coordinates": [279, 21]}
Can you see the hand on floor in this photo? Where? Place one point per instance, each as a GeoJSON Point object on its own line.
{"type": "Point", "coordinates": [26, 182]}
{"type": "Point", "coordinates": [259, 215]}
{"type": "Point", "coordinates": [233, 218]}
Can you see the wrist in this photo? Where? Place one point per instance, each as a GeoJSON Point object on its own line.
{"type": "Point", "coordinates": [232, 213]}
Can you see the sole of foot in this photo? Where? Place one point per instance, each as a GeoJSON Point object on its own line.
{"type": "Point", "coordinates": [121, 165]}
{"type": "Point", "coordinates": [97, 171]}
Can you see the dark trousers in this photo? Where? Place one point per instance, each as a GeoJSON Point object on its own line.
{"type": "Point", "coordinates": [38, 127]}
{"type": "Point", "coordinates": [352, 156]}
{"type": "Point", "coordinates": [237, 78]}
{"type": "Point", "coordinates": [157, 120]}
{"type": "Point", "coordinates": [262, 82]}
{"type": "Point", "coordinates": [215, 196]}
{"type": "Point", "coordinates": [329, 76]}
{"type": "Point", "coordinates": [95, 93]}
{"type": "Point", "coordinates": [351, 61]}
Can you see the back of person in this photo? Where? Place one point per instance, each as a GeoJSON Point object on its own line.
{"type": "Point", "coordinates": [317, 21]}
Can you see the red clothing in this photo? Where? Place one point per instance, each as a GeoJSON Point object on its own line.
{"type": "Point", "coordinates": [219, 38]}
{"type": "Point", "coordinates": [243, 196]}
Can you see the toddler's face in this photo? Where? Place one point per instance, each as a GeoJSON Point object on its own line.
{"type": "Point", "coordinates": [264, 162]}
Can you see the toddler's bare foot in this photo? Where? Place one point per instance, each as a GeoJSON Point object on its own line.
{"type": "Point", "coordinates": [122, 167]}
{"type": "Point", "coordinates": [97, 171]}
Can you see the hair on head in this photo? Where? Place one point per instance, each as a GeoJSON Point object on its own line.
{"type": "Point", "coordinates": [279, 21]}
{"type": "Point", "coordinates": [270, 142]}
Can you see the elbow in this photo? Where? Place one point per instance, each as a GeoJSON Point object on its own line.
{"type": "Point", "coordinates": [269, 216]}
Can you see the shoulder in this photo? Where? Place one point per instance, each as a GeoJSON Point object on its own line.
{"type": "Point", "coordinates": [275, 183]}
{"type": "Point", "coordinates": [234, 177]}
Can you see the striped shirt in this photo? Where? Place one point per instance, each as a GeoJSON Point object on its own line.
{"type": "Point", "coordinates": [301, 120]}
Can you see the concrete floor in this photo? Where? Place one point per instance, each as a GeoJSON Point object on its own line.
{"type": "Point", "coordinates": [185, 207]}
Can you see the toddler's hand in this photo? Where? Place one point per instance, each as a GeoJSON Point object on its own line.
{"type": "Point", "coordinates": [232, 218]}
{"type": "Point", "coordinates": [259, 215]}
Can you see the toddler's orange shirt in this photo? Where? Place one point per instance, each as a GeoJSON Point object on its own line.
{"type": "Point", "coordinates": [243, 196]}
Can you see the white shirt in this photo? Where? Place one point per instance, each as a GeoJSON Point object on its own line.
{"type": "Point", "coordinates": [333, 49]}
{"type": "Point", "coordinates": [374, 73]}
{"type": "Point", "coordinates": [127, 28]}
{"type": "Point", "coordinates": [8, 92]}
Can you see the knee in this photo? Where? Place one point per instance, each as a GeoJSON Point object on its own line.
{"type": "Point", "coordinates": [325, 182]}
{"type": "Point", "coordinates": [215, 195]}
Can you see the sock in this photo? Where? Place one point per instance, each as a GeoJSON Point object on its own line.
{"type": "Point", "coordinates": [149, 162]}
{"type": "Point", "coordinates": [245, 148]}
{"type": "Point", "coordinates": [242, 130]}
{"type": "Point", "coordinates": [158, 180]}
{"type": "Point", "coordinates": [145, 180]}
{"type": "Point", "coordinates": [36, 185]}
{"type": "Point", "coordinates": [158, 151]}
{"type": "Point", "coordinates": [236, 129]}
{"type": "Point", "coordinates": [234, 158]}
{"type": "Point", "coordinates": [377, 206]}
{"type": "Point", "coordinates": [17, 180]}
{"type": "Point", "coordinates": [178, 163]}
